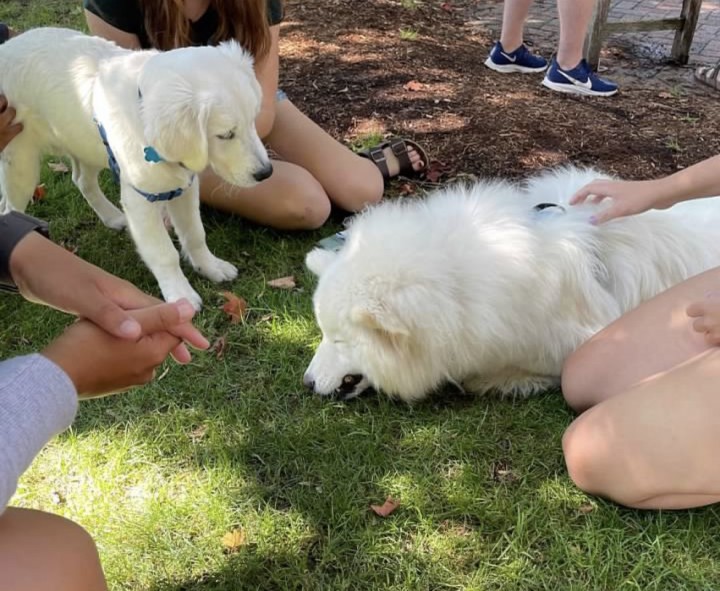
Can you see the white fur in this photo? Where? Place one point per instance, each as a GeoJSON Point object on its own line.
{"type": "Point", "coordinates": [59, 80]}
{"type": "Point", "coordinates": [472, 286]}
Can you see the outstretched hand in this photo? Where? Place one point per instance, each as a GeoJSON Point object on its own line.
{"type": "Point", "coordinates": [626, 198]}
{"type": "Point", "coordinates": [99, 363]}
{"type": "Point", "coordinates": [706, 316]}
{"type": "Point", "coordinates": [47, 273]}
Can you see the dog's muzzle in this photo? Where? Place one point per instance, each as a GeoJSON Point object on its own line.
{"type": "Point", "coordinates": [352, 385]}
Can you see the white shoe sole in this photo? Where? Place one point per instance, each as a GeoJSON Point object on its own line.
{"type": "Point", "coordinates": [573, 89]}
{"type": "Point", "coordinates": [513, 68]}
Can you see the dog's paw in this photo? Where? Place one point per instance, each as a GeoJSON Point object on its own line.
{"type": "Point", "coordinates": [217, 270]}
{"type": "Point", "coordinates": [117, 222]}
{"type": "Point", "coordinates": [173, 294]}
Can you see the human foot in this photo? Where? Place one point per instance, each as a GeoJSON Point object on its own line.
{"type": "Point", "coordinates": [397, 156]}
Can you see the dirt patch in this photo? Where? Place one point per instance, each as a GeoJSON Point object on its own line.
{"type": "Point", "coordinates": [416, 69]}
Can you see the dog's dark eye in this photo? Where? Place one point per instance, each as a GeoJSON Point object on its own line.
{"type": "Point", "coordinates": [227, 136]}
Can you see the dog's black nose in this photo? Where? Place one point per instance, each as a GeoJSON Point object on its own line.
{"type": "Point", "coordinates": [264, 173]}
{"type": "Point", "coordinates": [308, 382]}
{"type": "Point", "coordinates": [348, 384]}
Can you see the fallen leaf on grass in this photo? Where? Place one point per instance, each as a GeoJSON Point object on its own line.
{"type": "Point", "coordinates": [386, 508]}
{"type": "Point", "coordinates": [435, 171]}
{"type": "Point", "coordinates": [198, 434]}
{"type": "Point", "coordinates": [58, 167]}
{"type": "Point", "coordinates": [234, 540]}
{"type": "Point", "coordinates": [69, 247]}
{"type": "Point", "coordinates": [234, 306]}
{"type": "Point", "coordinates": [586, 508]}
{"type": "Point", "coordinates": [413, 86]}
{"type": "Point", "coordinates": [407, 189]}
{"type": "Point", "coordinates": [219, 346]}
{"type": "Point", "coordinates": [283, 282]}
{"type": "Point", "coordinates": [39, 193]}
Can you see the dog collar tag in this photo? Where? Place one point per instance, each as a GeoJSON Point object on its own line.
{"type": "Point", "coordinates": [151, 155]}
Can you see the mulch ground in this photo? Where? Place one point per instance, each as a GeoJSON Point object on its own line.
{"type": "Point", "coordinates": [416, 69]}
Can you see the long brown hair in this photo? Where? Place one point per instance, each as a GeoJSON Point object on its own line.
{"type": "Point", "coordinates": [167, 26]}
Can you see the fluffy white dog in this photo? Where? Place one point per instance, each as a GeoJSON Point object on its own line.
{"type": "Point", "coordinates": [158, 119]}
{"type": "Point", "coordinates": [483, 287]}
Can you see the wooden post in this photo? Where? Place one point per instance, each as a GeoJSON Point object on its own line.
{"type": "Point", "coordinates": [596, 34]}
{"type": "Point", "coordinates": [684, 34]}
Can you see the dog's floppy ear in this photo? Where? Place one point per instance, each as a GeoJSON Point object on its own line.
{"type": "Point", "coordinates": [175, 121]}
{"type": "Point", "coordinates": [379, 316]}
{"type": "Point", "coordinates": [319, 259]}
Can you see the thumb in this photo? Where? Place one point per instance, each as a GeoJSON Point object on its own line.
{"type": "Point", "coordinates": [112, 318]}
{"type": "Point", "coordinates": [163, 317]}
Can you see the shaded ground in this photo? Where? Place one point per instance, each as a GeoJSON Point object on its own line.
{"type": "Point", "coordinates": [358, 72]}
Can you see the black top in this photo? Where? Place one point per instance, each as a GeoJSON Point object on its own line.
{"type": "Point", "coordinates": [13, 228]}
{"type": "Point", "coordinates": [127, 15]}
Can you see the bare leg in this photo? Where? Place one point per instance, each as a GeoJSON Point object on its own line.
{"type": "Point", "coordinates": [43, 551]}
{"type": "Point", "coordinates": [316, 171]}
{"type": "Point", "coordinates": [291, 199]}
{"type": "Point", "coordinates": [649, 340]}
{"type": "Point", "coordinates": [652, 386]}
{"type": "Point", "coordinates": [515, 14]}
{"type": "Point", "coordinates": [655, 445]}
{"type": "Point", "coordinates": [575, 16]}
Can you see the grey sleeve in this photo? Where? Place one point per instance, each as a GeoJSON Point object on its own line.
{"type": "Point", "coordinates": [37, 401]}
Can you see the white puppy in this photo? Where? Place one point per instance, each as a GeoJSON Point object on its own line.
{"type": "Point", "coordinates": [166, 117]}
{"type": "Point", "coordinates": [479, 287]}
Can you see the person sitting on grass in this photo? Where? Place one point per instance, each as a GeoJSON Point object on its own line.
{"type": "Point", "coordinates": [315, 171]}
{"type": "Point", "coordinates": [121, 336]}
{"type": "Point", "coordinates": [648, 385]}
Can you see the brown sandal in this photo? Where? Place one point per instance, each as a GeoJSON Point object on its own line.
{"type": "Point", "coordinates": [399, 147]}
{"type": "Point", "coordinates": [709, 75]}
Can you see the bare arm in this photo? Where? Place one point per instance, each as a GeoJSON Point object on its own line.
{"type": "Point", "coordinates": [632, 197]}
{"type": "Point", "coordinates": [266, 70]}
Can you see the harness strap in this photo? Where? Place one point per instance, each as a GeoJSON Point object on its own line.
{"type": "Point", "coordinates": [151, 156]}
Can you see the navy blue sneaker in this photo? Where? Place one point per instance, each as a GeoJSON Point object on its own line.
{"type": "Point", "coordinates": [520, 60]}
{"type": "Point", "coordinates": [580, 80]}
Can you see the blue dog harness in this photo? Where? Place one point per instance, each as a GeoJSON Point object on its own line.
{"type": "Point", "coordinates": [151, 155]}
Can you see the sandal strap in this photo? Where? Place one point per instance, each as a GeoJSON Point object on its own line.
{"type": "Point", "coordinates": [377, 155]}
{"type": "Point", "coordinates": [400, 149]}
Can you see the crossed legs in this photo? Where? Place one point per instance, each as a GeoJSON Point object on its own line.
{"type": "Point", "coordinates": [648, 388]}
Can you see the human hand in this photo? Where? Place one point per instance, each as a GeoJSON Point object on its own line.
{"type": "Point", "coordinates": [8, 129]}
{"type": "Point", "coordinates": [707, 317]}
{"type": "Point", "coordinates": [627, 197]}
{"type": "Point", "coordinates": [99, 363]}
{"type": "Point", "coordinates": [47, 273]}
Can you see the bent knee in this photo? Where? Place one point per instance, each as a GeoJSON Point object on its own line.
{"type": "Point", "coordinates": [358, 190]}
{"type": "Point", "coordinates": [307, 211]}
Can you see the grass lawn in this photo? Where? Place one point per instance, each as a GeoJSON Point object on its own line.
{"type": "Point", "coordinates": [160, 475]}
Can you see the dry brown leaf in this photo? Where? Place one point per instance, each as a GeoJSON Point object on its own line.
{"type": "Point", "coordinates": [386, 508]}
{"type": "Point", "coordinates": [58, 167]}
{"type": "Point", "coordinates": [219, 346]}
{"type": "Point", "coordinates": [234, 540]}
{"type": "Point", "coordinates": [234, 306]}
{"type": "Point", "coordinates": [413, 85]}
{"type": "Point", "coordinates": [407, 189]}
{"type": "Point", "coordinates": [39, 193]}
{"type": "Point", "coordinates": [586, 508]}
{"type": "Point", "coordinates": [283, 282]}
{"type": "Point", "coordinates": [198, 433]}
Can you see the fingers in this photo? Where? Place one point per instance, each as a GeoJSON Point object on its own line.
{"type": "Point", "coordinates": [595, 188]}
{"type": "Point", "coordinates": [112, 318]}
{"type": "Point", "coordinates": [164, 317]}
{"type": "Point", "coordinates": [695, 310]}
{"type": "Point", "coordinates": [191, 335]}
